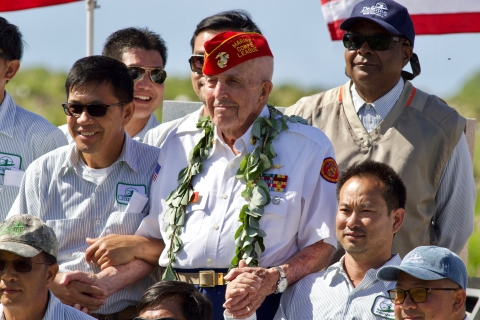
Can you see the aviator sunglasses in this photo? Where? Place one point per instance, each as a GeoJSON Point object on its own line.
{"type": "Point", "coordinates": [377, 43]}
{"type": "Point", "coordinates": [417, 295]}
{"type": "Point", "coordinates": [196, 63]}
{"type": "Point", "coordinates": [21, 266]}
{"type": "Point", "coordinates": [157, 75]}
{"type": "Point", "coordinates": [94, 109]}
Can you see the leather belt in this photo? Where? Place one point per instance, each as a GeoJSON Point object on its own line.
{"type": "Point", "coordinates": [126, 314]}
{"type": "Point", "coordinates": [204, 279]}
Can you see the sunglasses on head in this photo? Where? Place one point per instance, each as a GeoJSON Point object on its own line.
{"type": "Point", "coordinates": [196, 63]}
{"type": "Point", "coordinates": [21, 265]}
{"type": "Point", "coordinates": [378, 42]}
{"type": "Point", "coordinates": [157, 75]}
{"type": "Point", "coordinates": [417, 295]}
{"type": "Point", "coordinates": [94, 109]}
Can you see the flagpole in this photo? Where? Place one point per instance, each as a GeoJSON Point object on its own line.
{"type": "Point", "coordinates": [91, 5]}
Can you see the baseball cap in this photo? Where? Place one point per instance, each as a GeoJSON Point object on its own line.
{"type": "Point", "coordinates": [229, 49]}
{"type": "Point", "coordinates": [389, 14]}
{"type": "Point", "coordinates": [428, 263]}
{"type": "Point", "coordinates": [27, 236]}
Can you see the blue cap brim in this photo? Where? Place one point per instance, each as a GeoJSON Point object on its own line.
{"type": "Point", "coordinates": [391, 273]}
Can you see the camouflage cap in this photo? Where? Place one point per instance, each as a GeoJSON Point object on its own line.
{"type": "Point", "coordinates": [27, 236]}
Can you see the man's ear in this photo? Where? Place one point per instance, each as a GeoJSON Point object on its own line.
{"type": "Point", "coordinates": [460, 296]}
{"type": "Point", "coordinates": [266, 89]}
{"type": "Point", "coordinates": [52, 273]}
{"type": "Point", "coordinates": [12, 68]}
{"type": "Point", "coordinates": [407, 52]}
{"type": "Point", "coordinates": [128, 110]}
{"type": "Point", "coordinates": [398, 217]}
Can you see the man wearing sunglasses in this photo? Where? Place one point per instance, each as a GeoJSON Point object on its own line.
{"type": "Point", "coordinates": [98, 186]}
{"type": "Point", "coordinates": [371, 201]}
{"type": "Point", "coordinates": [232, 20]}
{"type": "Point", "coordinates": [378, 114]}
{"type": "Point", "coordinates": [24, 136]}
{"type": "Point", "coordinates": [431, 284]}
{"type": "Point", "coordinates": [28, 266]}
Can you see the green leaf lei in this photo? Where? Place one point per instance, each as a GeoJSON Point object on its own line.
{"type": "Point", "coordinates": [249, 236]}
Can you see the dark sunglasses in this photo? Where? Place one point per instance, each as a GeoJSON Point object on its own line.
{"type": "Point", "coordinates": [417, 295]}
{"type": "Point", "coordinates": [157, 75]}
{"type": "Point", "coordinates": [21, 266]}
{"type": "Point", "coordinates": [196, 63]}
{"type": "Point", "coordinates": [4, 56]}
{"type": "Point", "coordinates": [93, 109]}
{"type": "Point", "coordinates": [378, 42]}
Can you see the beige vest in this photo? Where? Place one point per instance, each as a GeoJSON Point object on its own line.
{"type": "Point", "coordinates": [416, 139]}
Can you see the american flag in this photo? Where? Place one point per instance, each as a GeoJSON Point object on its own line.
{"type": "Point", "coordinates": [12, 5]}
{"type": "Point", "coordinates": [157, 170]}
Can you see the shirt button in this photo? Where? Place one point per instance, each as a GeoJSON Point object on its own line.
{"type": "Point", "coordinates": [97, 222]}
{"type": "Point", "coordinates": [209, 261]}
{"type": "Point", "coordinates": [215, 226]}
{"type": "Point", "coordinates": [224, 196]}
{"type": "Point", "coordinates": [231, 165]}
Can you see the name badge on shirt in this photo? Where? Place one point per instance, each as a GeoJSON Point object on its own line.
{"type": "Point", "coordinates": [125, 191]}
{"type": "Point", "coordinates": [383, 307]}
{"type": "Point", "coordinates": [9, 162]}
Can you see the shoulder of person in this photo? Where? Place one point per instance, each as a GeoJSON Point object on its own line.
{"type": "Point", "coordinates": [306, 131]}
{"type": "Point", "coordinates": [158, 135]}
{"type": "Point", "coordinates": [306, 105]}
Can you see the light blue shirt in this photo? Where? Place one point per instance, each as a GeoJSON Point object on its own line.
{"type": "Point", "coordinates": [77, 205]}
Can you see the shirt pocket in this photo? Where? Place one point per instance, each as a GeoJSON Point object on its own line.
{"type": "Point", "coordinates": [71, 234]}
{"type": "Point", "coordinates": [125, 223]}
{"type": "Point", "coordinates": [194, 217]}
{"type": "Point", "coordinates": [273, 221]}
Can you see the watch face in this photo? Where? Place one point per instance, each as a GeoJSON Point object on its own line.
{"type": "Point", "coordinates": [282, 285]}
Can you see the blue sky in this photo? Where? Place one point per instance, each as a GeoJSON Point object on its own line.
{"type": "Point", "coordinates": [295, 29]}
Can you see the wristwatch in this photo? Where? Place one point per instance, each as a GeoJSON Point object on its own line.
{"type": "Point", "coordinates": [282, 283]}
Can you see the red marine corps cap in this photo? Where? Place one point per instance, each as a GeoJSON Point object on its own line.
{"type": "Point", "coordinates": [228, 49]}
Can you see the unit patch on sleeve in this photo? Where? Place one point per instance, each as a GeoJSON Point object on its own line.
{"type": "Point", "coordinates": [9, 162]}
{"type": "Point", "coordinates": [125, 191]}
{"type": "Point", "coordinates": [329, 170]}
{"type": "Point", "coordinates": [157, 170]}
{"type": "Point", "coordinates": [275, 182]}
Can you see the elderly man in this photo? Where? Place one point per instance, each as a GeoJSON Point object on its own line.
{"type": "Point", "coordinates": [371, 201]}
{"type": "Point", "coordinates": [96, 187]}
{"type": "Point", "coordinates": [378, 115]}
{"type": "Point", "coordinates": [24, 136]}
{"type": "Point", "coordinates": [256, 188]}
{"type": "Point", "coordinates": [431, 284]}
{"type": "Point", "coordinates": [28, 263]}
{"type": "Point", "coordinates": [233, 20]}
{"type": "Point", "coordinates": [145, 54]}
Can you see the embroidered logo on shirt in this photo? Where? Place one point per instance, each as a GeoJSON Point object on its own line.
{"type": "Point", "coordinates": [157, 170]}
{"type": "Point", "coordinates": [125, 191]}
{"type": "Point", "coordinates": [275, 182]}
{"type": "Point", "coordinates": [383, 307]}
{"type": "Point", "coordinates": [329, 170]}
{"type": "Point", "coordinates": [9, 162]}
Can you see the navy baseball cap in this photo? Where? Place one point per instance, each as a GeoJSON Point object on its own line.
{"type": "Point", "coordinates": [389, 14]}
{"type": "Point", "coordinates": [428, 263]}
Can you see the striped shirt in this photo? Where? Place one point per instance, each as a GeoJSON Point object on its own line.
{"type": "Point", "coordinates": [151, 123]}
{"type": "Point", "coordinates": [456, 192]}
{"type": "Point", "coordinates": [24, 136]}
{"type": "Point", "coordinates": [330, 295]}
{"type": "Point", "coordinates": [56, 310]}
{"type": "Point", "coordinates": [77, 206]}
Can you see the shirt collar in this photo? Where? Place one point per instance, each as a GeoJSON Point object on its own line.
{"type": "Point", "coordinates": [54, 308]}
{"type": "Point", "coordinates": [8, 110]}
{"type": "Point", "coordinates": [382, 105]}
{"type": "Point", "coordinates": [151, 123]}
{"type": "Point", "coordinates": [190, 123]}
{"type": "Point", "coordinates": [128, 155]}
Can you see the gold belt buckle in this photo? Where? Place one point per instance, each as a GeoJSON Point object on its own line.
{"type": "Point", "coordinates": [207, 279]}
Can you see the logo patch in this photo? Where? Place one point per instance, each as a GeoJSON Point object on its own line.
{"type": "Point", "coordinates": [415, 258]}
{"type": "Point", "coordinates": [9, 162]}
{"type": "Point", "coordinates": [379, 9]}
{"type": "Point", "coordinates": [329, 170]}
{"type": "Point", "coordinates": [223, 59]}
{"type": "Point", "coordinates": [125, 191]}
{"type": "Point", "coordinates": [383, 307]}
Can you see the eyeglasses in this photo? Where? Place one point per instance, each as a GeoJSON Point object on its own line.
{"type": "Point", "coordinates": [21, 266]}
{"type": "Point", "coordinates": [397, 296]}
{"type": "Point", "coordinates": [196, 63]}
{"type": "Point", "coordinates": [157, 75]}
{"type": "Point", "coordinates": [4, 56]}
{"type": "Point", "coordinates": [94, 109]}
{"type": "Point", "coordinates": [378, 42]}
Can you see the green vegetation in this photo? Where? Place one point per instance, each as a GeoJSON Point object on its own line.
{"type": "Point", "coordinates": [42, 91]}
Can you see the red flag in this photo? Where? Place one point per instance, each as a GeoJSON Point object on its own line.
{"type": "Point", "coordinates": [12, 5]}
{"type": "Point", "coordinates": [429, 16]}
